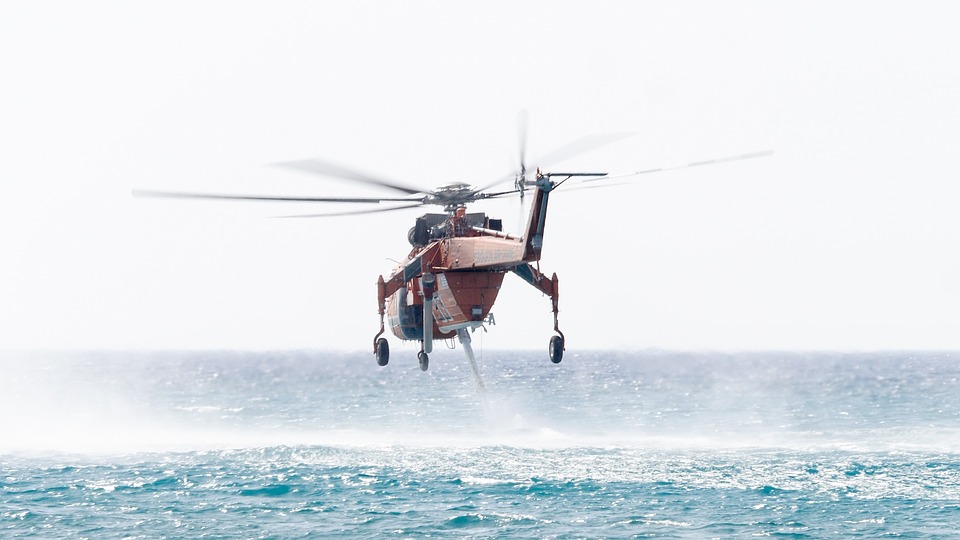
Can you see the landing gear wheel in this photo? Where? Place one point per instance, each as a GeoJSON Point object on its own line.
{"type": "Point", "coordinates": [383, 352]}
{"type": "Point", "coordinates": [424, 360]}
{"type": "Point", "coordinates": [556, 349]}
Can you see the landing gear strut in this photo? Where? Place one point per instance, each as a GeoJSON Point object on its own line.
{"type": "Point", "coordinates": [381, 348]}
{"type": "Point", "coordinates": [550, 287]}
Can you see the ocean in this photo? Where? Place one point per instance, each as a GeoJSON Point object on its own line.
{"type": "Point", "coordinates": [615, 444]}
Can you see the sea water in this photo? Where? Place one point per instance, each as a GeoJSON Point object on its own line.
{"type": "Point", "coordinates": [312, 444]}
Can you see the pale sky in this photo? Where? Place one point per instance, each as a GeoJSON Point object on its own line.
{"type": "Point", "coordinates": [848, 237]}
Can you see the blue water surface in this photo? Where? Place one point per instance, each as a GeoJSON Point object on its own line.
{"type": "Point", "coordinates": [312, 444]}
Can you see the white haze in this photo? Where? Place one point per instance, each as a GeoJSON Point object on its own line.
{"type": "Point", "coordinates": [846, 238]}
{"type": "Point", "coordinates": [123, 403]}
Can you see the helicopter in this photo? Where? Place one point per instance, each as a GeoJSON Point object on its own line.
{"type": "Point", "coordinates": [448, 283]}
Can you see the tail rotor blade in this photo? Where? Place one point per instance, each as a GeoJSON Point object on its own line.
{"type": "Point", "coordinates": [567, 151]}
{"type": "Point", "coordinates": [580, 146]}
{"type": "Point", "coordinates": [523, 120]}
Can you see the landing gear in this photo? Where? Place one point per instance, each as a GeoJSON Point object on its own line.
{"type": "Point", "coordinates": [550, 287]}
{"type": "Point", "coordinates": [424, 360]}
{"type": "Point", "coordinates": [381, 348]}
{"type": "Point", "coordinates": [556, 349]}
{"type": "Point", "coordinates": [382, 352]}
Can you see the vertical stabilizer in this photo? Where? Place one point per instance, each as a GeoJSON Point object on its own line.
{"type": "Point", "coordinates": [533, 235]}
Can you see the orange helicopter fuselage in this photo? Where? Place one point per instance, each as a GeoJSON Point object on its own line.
{"type": "Point", "coordinates": [464, 270]}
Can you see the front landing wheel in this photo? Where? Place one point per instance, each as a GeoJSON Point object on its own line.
{"type": "Point", "coordinates": [383, 352]}
{"type": "Point", "coordinates": [556, 349]}
{"type": "Point", "coordinates": [424, 360]}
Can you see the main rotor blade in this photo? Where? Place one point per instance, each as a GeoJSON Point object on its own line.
{"type": "Point", "coordinates": [498, 194]}
{"type": "Point", "coordinates": [355, 212]}
{"type": "Point", "coordinates": [314, 166]}
{"type": "Point", "coordinates": [738, 157]}
{"type": "Point", "coordinates": [224, 196]}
